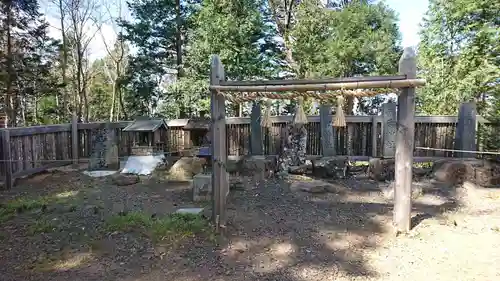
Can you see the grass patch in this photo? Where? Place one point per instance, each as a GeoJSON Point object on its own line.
{"type": "Point", "coordinates": [5, 215]}
{"type": "Point", "coordinates": [424, 165]}
{"type": "Point", "coordinates": [21, 205]}
{"type": "Point", "coordinates": [171, 227]}
{"type": "Point", "coordinates": [42, 226]}
{"type": "Point", "coordinates": [25, 204]}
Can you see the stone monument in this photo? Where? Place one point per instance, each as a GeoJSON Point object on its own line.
{"type": "Point", "coordinates": [104, 154]}
{"type": "Point", "coordinates": [293, 148]}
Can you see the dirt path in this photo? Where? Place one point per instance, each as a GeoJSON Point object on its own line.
{"type": "Point", "coordinates": [272, 234]}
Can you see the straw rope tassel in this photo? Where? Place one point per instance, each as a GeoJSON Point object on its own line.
{"type": "Point", "coordinates": [265, 121]}
{"type": "Point", "coordinates": [339, 119]}
{"type": "Point", "coordinates": [300, 116]}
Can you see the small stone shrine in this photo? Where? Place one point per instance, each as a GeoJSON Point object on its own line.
{"type": "Point", "coordinates": [148, 136]}
{"type": "Point", "coordinates": [104, 154]}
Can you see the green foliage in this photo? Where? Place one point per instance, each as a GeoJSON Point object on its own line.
{"type": "Point", "coordinates": [188, 94]}
{"type": "Point", "coordinates": [100, 90]}
{"type": "Point", "coordinates": [358, 38]}
{"type": "Point", "coordinates": [459, 55]}
{"type": "Point", "coordinates": [27, 61]}
{"type": "Point", "coordinates": [234, 30]}
{"type": "Point", "coordinates": [153, 32]}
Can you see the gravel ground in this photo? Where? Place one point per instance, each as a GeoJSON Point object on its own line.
{"type": "Point", "coordinates": [272, 234]}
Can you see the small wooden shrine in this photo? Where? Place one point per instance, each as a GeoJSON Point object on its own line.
{"type": "Point", "coordinates": [199, 134]}
{"type": "Point", "coordinates": [148, 136]}
{"type": "Point", "coordinates": [198, 129]}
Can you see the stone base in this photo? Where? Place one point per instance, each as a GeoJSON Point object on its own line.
{"type": "Point", "coordinates": [381, 169]}
{"type": "Point", "coordinates": [255, 169]}
{"type": "Point", "coordinates": [202, 187]}
{"type": "Point", "coordinates": [481, 172]}
{"type": "Point", "coordinates": [331, 167]}
{"type": "Point", "coordinates": [144, 151]}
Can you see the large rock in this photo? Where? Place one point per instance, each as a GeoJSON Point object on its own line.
{"type": "Point", "coordinates": [334, 167]}
{"type": "Point", "coordinates": [256, 165]}
{"type": "Point", "coordinates": [255, 169]}
{"type": "Point", "coordinates": [185, 168]}
{"type": "Point", "coordinates": [457, 171]}
{"type": "Point", "coordinates": [123, 180]}
{"type": "Point", "coordinates": [381, 169]}
{"type": "Point", "coordinates": [316, 186]}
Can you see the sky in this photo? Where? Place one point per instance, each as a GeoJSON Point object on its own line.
{"type": "Point", "coordinates": [410, 13]}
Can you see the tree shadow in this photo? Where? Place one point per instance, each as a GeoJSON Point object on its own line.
{"type": "Point", "coordinates": [272, 234]}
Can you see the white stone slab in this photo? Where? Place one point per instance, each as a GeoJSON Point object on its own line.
{"type": "Point", "coordinates": [194, 211]}
{"type": "Point", "coordinates": [142, 165]}
{"type": "Point", "coordinates": [98, 174]}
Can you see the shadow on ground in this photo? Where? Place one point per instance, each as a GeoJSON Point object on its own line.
{"type": "Point", "coordinates": [272, 233]}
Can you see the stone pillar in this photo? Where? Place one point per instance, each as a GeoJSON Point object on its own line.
{"type": "Point", "coordinates": [389, 129]}
{"type": "Point", "coordinates": [327, 143]}
{"type": "Point", "coordinates": [465, 134]}
{"type": "Point", "coordinates": [255, 130]}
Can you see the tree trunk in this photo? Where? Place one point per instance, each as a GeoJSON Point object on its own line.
{"type": "Point", "coordinates": [113, 102]}
{"type": "Point", "coordinates": [64, 60]}
{"type": "Point", "coordinates": [9, 98]}
{"type": "Point", "coordinates": [178, 38]}
{"type": "Point", "coordinates": [35, 111]}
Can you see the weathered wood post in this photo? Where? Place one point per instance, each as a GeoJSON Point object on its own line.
{"type": "Point", "coordinates": [74, 140]}
{"type": "Point", "coordinates": [389, 128]}
{"type": "Point", "coordinates": [7, 158]}
{"type": "Point", "coordinates": [255, 130]}
{"type": "Point", "coordinates": [404, 144]}
{"type": "Point", "coordinates": [327, 141]}
{"type": "Point", "coordinates": [220, 180]}
{"type": "Point", "coordinates": [465, 134]}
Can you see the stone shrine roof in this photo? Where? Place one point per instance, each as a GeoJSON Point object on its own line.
{"type": "Point", "coordinates": [145, 125]}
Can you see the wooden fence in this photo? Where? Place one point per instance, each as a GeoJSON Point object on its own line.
{"type": "Point", "coordinates": [28, 150]}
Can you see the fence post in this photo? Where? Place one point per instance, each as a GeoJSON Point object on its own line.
{"type": "Point", "coordinates": [389, 128]}
{"type": "Point", "coordinates": [255, 130]}
{"type": "Point", "coordinates": [404, 144]}
{"type": "Point", "coordinates": [465, 134]}
{"type": "Point", "coordinates": [374, 136]}
{"type": "Point", "coordinates": [6, 158]}
{"type": "Point", "coordinates": [327, 144]}
{"type": "Point", "coordinates": [220, 180]}
{"type": "Point", "coordinates": [74, 140]}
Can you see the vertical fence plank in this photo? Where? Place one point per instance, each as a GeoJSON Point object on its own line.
{"type": "Point", "coordinates": [6, 158]}
{"type": "Point", "coordinates": [74, 140]}
{"type": "Point", "coordinates": [374, 136]}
